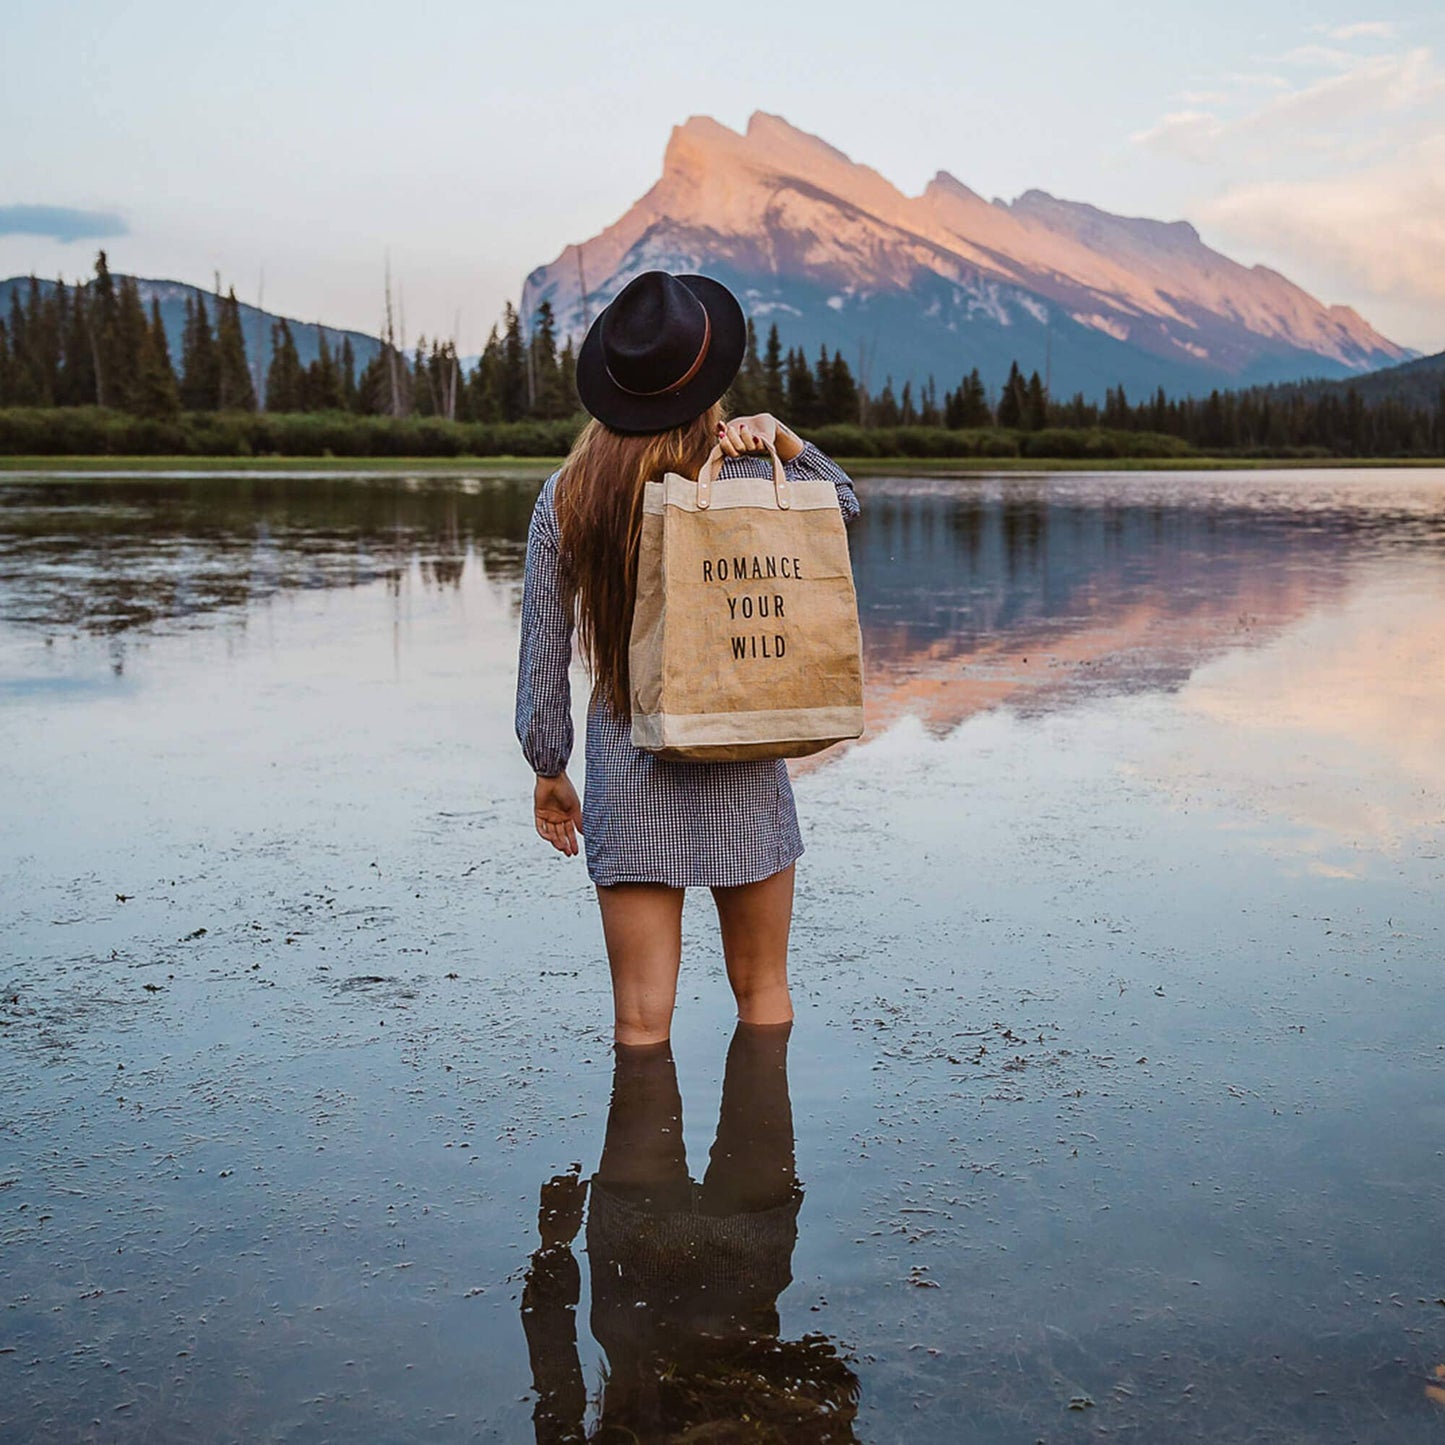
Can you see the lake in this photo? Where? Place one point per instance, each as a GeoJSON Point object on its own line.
{"type": "Point", "coordinates": [1115, 1104]}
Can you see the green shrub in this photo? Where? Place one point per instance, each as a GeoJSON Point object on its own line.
{"type": "Point", "coordinates": [94, 431]}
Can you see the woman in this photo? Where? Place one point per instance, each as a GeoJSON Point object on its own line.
{"type": "Point", "coordinates": [652, 372]}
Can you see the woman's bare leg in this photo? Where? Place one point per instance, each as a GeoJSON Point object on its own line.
{"type": "Point", "coordinates": [642, 923]}
{"type": "Point", "coordinates": [755, 919]}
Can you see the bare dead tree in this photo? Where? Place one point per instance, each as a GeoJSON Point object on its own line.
{"type": "Point", "coordinates": [395, 405]}
{"type": "Point", "coordinates": [454, 368]}
{"type": "Point", "coordinates": [256, 368]}
{"type": "Point", "coordinates": [865, 369]}
{"type": "Point", "coordinates": [582, 287]}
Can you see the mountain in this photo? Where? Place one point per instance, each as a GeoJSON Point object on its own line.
{"type": "Point", "coordinates": [934, 284]}
{"type": "Point", "coordinates": [255, 323]}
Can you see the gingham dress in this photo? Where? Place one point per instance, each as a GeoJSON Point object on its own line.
{"type": "Point", "coordinates": [645, 820]}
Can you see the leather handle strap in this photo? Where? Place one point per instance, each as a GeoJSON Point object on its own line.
{"type": "Point", "coordinates": [782, 488]}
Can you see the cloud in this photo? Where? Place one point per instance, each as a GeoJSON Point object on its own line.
{"type": "Point", "coordinates": [1379, 227]}
{"type": "Point", "coordinates": [1361, 30]}
{"type": "Point", "coordinates": [1380, 86]}
{"type": "Point", "coordinates": [1356, 99]}
{"type": "Point", "coordinates": [1336, 177]}
{"type": "Point", "coordinates": [1194, 134]}
{"type": "Point", "coordinates": [1327, 55]}
{"type": "Point", "coordinates": [60, 223]}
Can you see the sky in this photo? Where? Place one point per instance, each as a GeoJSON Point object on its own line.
{"type": "Point", "coordinates": [297, 148]}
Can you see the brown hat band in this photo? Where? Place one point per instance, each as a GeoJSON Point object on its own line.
{"type": "Point", "coordinates": [686, 377]}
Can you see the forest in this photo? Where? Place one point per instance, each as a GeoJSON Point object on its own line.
{"type": "Point", "coordinates": [86, 369]}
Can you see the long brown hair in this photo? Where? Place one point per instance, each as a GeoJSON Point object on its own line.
{"type": "Point", "coordinates": [599, 518]}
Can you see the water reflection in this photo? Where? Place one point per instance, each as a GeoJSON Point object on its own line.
{"type": "Point", "coordinates": [685, 1276]}
{"type": "Point", "coordinates": [109, 555]}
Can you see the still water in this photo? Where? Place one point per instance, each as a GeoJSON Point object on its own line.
{"type": "Point", "coordinates": [1115, 1107]}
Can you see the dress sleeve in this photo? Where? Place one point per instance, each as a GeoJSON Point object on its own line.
{"type": "Point", "coordinates": [812, 465]}
{"type": "Point", "coordinates": [544, 693]}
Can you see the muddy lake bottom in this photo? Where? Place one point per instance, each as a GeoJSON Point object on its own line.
{"type": "Point", "coordinates": [1115, 1104]}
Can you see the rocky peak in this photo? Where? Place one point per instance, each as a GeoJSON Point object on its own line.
{"type": "Point", "coordinates": [946, 184]}
{"type": "Point", "coordinates": [1099, 229]}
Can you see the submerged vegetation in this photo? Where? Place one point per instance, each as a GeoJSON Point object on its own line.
{"type": "Point", "coordinates": [85, 370]}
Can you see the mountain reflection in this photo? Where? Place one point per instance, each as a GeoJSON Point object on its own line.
{"type": "Point", "coordinates": [685, 1276]}
{"type": "Point", "coordinates": [1039, 592]}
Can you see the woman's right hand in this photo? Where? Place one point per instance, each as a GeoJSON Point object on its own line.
{"type": "Point", "coordinates": [744, 434]}
{"type": "Point", "coordinates": [557, 813]}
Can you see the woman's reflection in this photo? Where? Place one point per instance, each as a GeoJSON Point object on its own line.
{"type": "Point", "coordinates": [685, 1276]}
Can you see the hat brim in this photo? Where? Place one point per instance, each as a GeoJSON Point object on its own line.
{"type": "Point", "coordinates": [625, 411]}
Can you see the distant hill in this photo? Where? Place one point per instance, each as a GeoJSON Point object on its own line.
{"type": "Point", "coordinates": [255, 323]}
{"type": "Point", "coordinates": [941, 282]}
{"type": "Point", "coordinates": [1418, 382]}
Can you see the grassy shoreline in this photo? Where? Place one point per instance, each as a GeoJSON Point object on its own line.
{"type": "Point", "coordinates": [524, 468]}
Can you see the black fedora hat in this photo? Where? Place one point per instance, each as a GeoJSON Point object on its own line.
{"type": "Point", "coordinates": [662, 352]}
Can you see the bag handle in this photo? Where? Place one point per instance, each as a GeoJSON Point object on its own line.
{"type": "Point", "coordinates": [782, 488]}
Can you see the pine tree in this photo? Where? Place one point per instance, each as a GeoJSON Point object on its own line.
{"type": "Point", "coordinates": [773, 394]}
{"type": "Point", "coordinates": [1013, 402]}
{"type": "Point", "coordinates": [907, 415]}
{"type": "Point", "coordinates": [422, 390]}
{"type": "Point", "coordinates": [373, 386]}
{"type": "Point", "coordinates": [840, 397]}
{"type": "Point", "coordinates": [487, 381]}
{"type": "Point", "coordinates": [748, 394]}
{"type": "Point", "coordinates": [200, 367]}
{"type": "Point", "coordinates": [885, 406]}
{"type": "Point", "coordinates": [567, 377]}
{"type": "Point", "coordinates": [77, 377]}
{"type": "Point", "coordinates": [23, 382]}
{"type": "Point", "coordinates": [548, 399]}
{"type": "Point", "coordinates": [928, 410]}
{"type": "Point", "coordinates": [283, 377]}
{"type": "Point", "coordinates": [974, 408]}
{"type": "Point", "coordinates": [102, 333]}
{"type": "Point", "coordinates": [802, 394]}
{"type": "Point", "coordinates": [1035, 407]}
{"type": "Point", "coordinates": [155, 393]}
{"type": "Point", "coordinates": [43, 341]}
{"type": "Point", "coordinates": [513, 395]}
{"type": "Point", "coordinates": [1116, 408]}
{"type": "Point", "coordinates": [822, 369]}
{"type": "Point", "coordinates": [435, 375]}
{"type": "Point", "coordinates": [235, 390]}
{"type": "Point", "coordinates": [348, 375]}
{"type": "Point", "coordinates": [322, 388]}
{"type": "Point", "coordinates": [128, 347]}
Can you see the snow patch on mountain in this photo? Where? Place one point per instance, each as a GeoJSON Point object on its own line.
{"type": "Point", "coordinates": [1110, 325]}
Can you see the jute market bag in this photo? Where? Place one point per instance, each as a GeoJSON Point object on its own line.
{"type": "Point", "coordinates": [745, 639]}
